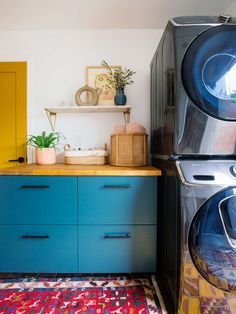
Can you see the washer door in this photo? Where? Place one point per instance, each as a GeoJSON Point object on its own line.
{"type": "Point", "coordinates": [209, 72]}
{"type": "Point", "coordinates": [212, 240]}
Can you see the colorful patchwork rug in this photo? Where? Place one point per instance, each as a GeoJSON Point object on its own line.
{"type": "Point", "coordinates": [93, 295]}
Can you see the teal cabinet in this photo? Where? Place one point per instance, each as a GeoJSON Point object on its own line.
{"type": "Point", "coordinates": [117, 224]}
{"type": "Point", "coordinates": [117, 249]}
{"type": "Point", "coordinates": [37, 248]}
{"type": "Point", "coordinates": [38, 199]}
{"type": "Point", "coordinates": [38, 224]}
{"type": "Point", "coordinates": [69, 224]}
{"type": "Point", "coordinates": [117, 200]}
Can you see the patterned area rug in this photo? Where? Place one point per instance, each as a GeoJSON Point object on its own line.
{"type": "Point", "coordinates": [88, 295]}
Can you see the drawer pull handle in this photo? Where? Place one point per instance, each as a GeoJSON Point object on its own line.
{"type": "Point", "coordinates": [35, 186]}
{"type": "Point", "coordinates": [27, 236]}
{"type": "Point", "coordinates": [125, 235]}
{"type": "Point", "coordinates": [123, 186]}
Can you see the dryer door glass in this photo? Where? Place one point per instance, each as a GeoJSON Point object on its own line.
{"type": "Point", "coordinates": [212, 240]}
{"type": "Point", "coordinates": [209, 72]}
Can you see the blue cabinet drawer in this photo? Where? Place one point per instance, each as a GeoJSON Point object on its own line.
{"type": "Point", "coordinates": [38, 200]}
{"type": "Point", "coordinates": [117, 249]}
{"type": "Point", "coordinates": [38, 249]}
{"type": "Point", "coordinates": [117, 200]}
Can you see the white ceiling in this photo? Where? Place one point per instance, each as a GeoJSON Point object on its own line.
{"type": "Point", "coordinates": [99, 14]}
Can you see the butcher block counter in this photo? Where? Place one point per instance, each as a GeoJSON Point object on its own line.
{"type": "Point", "coordinates": [78, 219]}
{"type": "Point", "coordinates": [79, 170]}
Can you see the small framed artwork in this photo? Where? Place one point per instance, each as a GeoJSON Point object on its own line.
{"type": "Point", "coordinates": [97, 77]}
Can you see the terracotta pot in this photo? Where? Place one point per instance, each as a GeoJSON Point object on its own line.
{"type": "Point", "coordinates": [45, 156]}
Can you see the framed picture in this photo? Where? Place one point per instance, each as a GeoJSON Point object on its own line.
{"type": "Point", "coordinates": [97, 77]}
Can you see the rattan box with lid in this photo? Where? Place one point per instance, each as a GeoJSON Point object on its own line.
{"type": "Point", "coordinates": [128, 149]}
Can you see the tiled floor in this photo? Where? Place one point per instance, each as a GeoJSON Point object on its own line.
{"type": "Point", "coordinates": [201, 297]}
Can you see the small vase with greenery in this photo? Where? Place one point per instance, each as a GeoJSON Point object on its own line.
{"type": "Point", "coordinates": [119, 80]}
{"type": "Point", "coordinates": [45, 147]}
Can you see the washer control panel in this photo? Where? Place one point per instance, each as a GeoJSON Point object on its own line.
{"type": "Point", "coordinates": [233, 170]}
{"type": "Point", "coordinates": [213, 172]}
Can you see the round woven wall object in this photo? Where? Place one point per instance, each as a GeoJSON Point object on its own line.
{"type": "Point", "coordinates": [92, 101]}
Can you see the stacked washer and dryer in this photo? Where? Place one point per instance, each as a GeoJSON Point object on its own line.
{"type": "Point", "coordinates": [193, 141]}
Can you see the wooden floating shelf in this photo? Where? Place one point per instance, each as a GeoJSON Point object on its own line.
{"type": "Point", "coordinates": [53, 111]}
{"type": "Point", "coordinates": [79, 109]}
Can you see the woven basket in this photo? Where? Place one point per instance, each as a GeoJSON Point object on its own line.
{"type": "Point", "coordinates": [128, 149]}
{"type": "Point", "coordinates": [91, 160]}
{"type": "Point", "coordinates": [85, 157]}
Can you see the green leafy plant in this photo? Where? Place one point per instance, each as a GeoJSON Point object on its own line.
{"type": "Point", "coordinates": [44, 140]}
{"type": "Point", "coordinates": [118, 78]}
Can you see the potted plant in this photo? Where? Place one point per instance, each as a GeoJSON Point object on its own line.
{"type": "Point", "coordinates": [45, 147]}
{"type": "Point", "coordinates": [119, 80]}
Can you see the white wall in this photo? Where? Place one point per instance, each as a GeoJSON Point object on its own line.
{"type": "Point", "coordinates": [56, 70]}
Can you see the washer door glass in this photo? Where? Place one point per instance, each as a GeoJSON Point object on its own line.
{"type": "Point", "coordinates": [212, 240]}
{"type": "Point", "coordinates": [209, 72]}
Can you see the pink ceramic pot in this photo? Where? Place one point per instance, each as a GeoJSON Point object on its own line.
{"type": "Point", "coordinates": [45, 156]}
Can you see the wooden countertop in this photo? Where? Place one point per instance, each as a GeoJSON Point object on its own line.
{"type": "Point", "coordinates": [79, 170]}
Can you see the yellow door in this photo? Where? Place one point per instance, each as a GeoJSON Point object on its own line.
{"type": "Point", "coordinates": [12, 112]}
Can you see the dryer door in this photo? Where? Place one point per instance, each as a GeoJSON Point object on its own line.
{"type": "Point", "coordinates": [209, 72]}
{"type": "Point", "coordinates": [212, 240]}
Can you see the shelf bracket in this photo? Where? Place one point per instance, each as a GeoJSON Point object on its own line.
{"type": "Point", "coordinates": [127, 116]}
{"type": "Point", "coordinates": [51, 118]}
